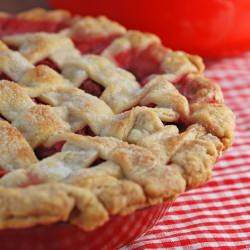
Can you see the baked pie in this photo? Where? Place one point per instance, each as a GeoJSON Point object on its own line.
{"type": "Point", "coordinates": [98, 121]}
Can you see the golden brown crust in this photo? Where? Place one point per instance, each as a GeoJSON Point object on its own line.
{"type": "Point", "coordinates": [213, 117]}
{"type": "Point", "coordinates": [94, 27]}
{"type": "Point", "coordinates": [145, 161]}
{"type": "Point", "coordinates": [50, 203]}
{"type": "Point", "coordinates": [198, 88]}
{"type": "Point", "coordinates": [39, 123]}
{"type": "Point", "coordinates": [179, 63]}
{"type": "Point", "coordinates": [133, 177]}
{"type": "Point", "coordinates": [39, 14]}
{"type": "Point", "coordinates": [4, 14]}
{"type": "Point", "coordinates": [14, 150]}
{"type": "Point", "coordinates": [36, 122]}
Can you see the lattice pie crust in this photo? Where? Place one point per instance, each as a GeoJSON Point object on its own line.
{"type": "Point", "coordinates": [99, 121]}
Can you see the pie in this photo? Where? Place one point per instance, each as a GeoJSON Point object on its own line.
{"type": "Point", "coordinates": [98, 121]}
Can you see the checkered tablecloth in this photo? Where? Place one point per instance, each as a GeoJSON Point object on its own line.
{"type": "Point", "coordinates": [216, 215]}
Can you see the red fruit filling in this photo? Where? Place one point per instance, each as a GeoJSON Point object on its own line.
{"type": "Point", "coordinates": [43, 152]}
{"type": "Point", "coordinates": [15, 25]}
{"type": "Point", "coordinates": [3, 172]}
{"type": "Point", "coordinates": [142, 63]}
{"type": "Point", "coordinates": [151, 105]}
{"type": "Point", "coordinates": [3, 22]}
{"type": "Point", "coordinates": [189, 87]}
{"type": "Point", "coordinates": [93, 46]}
{"type": "Point", "coordinates": [49, 63]}
{"type": "Point", "coordinates": [13, 47]}
{"type": "Point", "coordinates": [3, 76]}
{"type": "Point", "coordinates": [37, 101]}
{"type": "Point", "coordinates": [92, 87]}
{"type": "Point", "coordinates": [85, 131]}
{"type": "Point", "coordinates": [97, 162]}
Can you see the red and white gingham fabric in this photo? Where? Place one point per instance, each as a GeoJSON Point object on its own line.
{"type": "Point", "coordinates": [216, 215]}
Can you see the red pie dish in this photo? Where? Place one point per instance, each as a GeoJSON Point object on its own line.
{"type": "Point", "coordinates": [212, 28]}
{"type": "Point", "coordinates": [116, 233]}
{"type": "Point", "coordinates": [101, 128]}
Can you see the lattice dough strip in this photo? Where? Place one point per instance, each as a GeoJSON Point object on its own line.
{"type": "Point", "coordinates": [93, 28]}
{"type": "Point", "coordinates": [14, 150]}
{"type": "Point", "coordinates": [36, 122]}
